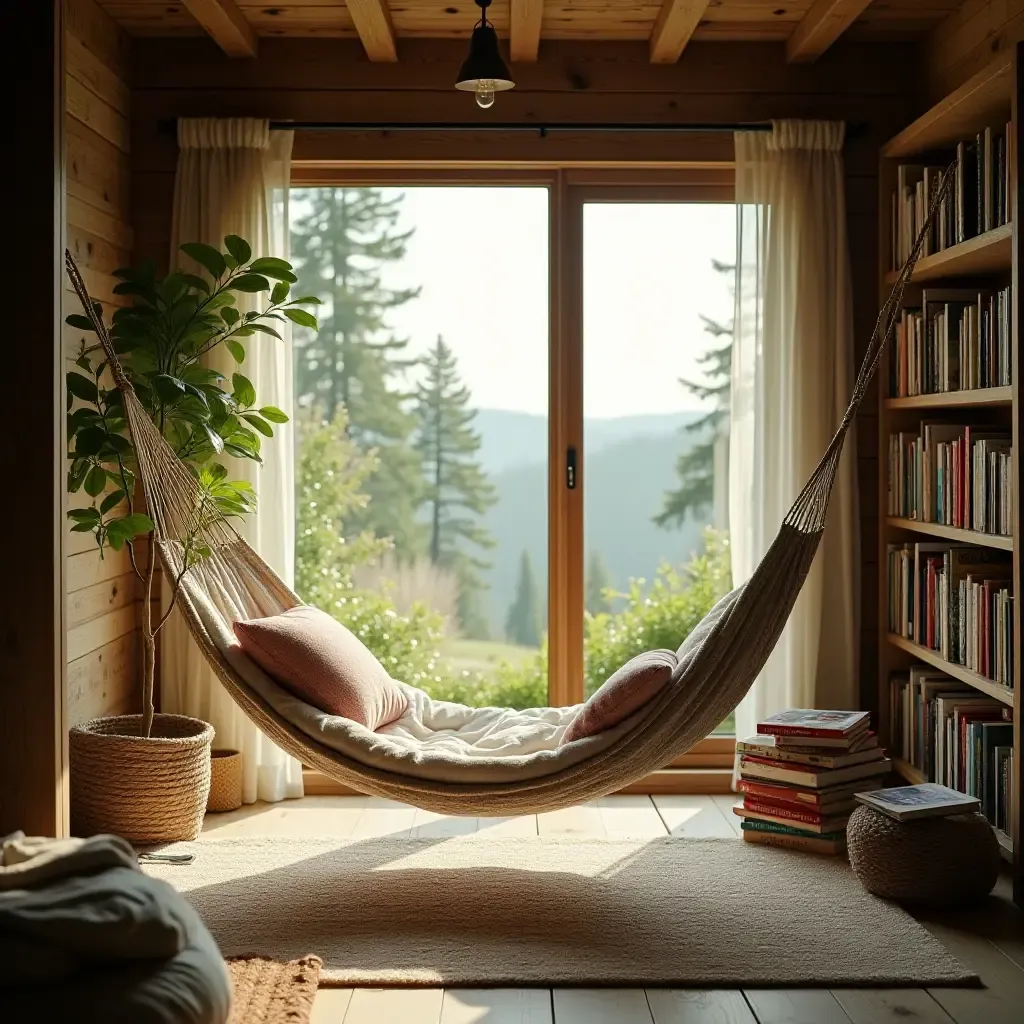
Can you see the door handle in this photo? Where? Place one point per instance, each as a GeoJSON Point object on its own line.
{"type": "Point", "coordinates": [570, 468]}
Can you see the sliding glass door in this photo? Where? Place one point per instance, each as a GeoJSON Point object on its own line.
{"type": "Point", "coordinates": [511, 448]}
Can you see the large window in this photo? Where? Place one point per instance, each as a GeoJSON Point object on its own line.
{"type": "Point", "coordinates": [512, 448]}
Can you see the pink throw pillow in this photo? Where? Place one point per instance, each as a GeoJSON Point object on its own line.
{"type": "Point", "coordinates": [627, 690]}
{"type": "Point", "coordinates": [325, 664]}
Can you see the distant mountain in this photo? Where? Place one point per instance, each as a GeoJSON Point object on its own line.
{"type": "Point", "coordinates": [511, 439]}
{"type": "Point", "coordinates": [630, 464]}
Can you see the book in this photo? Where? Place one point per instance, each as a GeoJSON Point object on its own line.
{"type": "Point", "coordinates": [860, 739]}
{"type": "Point", "coordinates": [809, 722]}
{"type": "Point", "coordinates": [822, 757]}
{"type": "Point", "coordinates": [778, 810]}
{"type": "Point", "coordinates": [822, 800]}
{"type": "Point", "coordinates": [832, 824]}
{"type": "Point", "coordinates": [927, 800]}
{"type": "Point", "coordinates": [756, 825]}
{"type": "Point", "coordinates": [810, 776]}
{"type": "Point", "coordinates": [807, 843]}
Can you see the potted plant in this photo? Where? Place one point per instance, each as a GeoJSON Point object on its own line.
{"type": "Point", "coordinates": [146, 777]}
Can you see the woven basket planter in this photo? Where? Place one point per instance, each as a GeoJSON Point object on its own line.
{"type": "Point", "coordinates": [929, 861]}
{"type": "Point", "coordinates": [146, 790]}
{"type": "Point", "coordinates": [225, 780]}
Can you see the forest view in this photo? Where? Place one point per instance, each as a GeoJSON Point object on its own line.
{"type": "Point", "coordinates": [422, 437]}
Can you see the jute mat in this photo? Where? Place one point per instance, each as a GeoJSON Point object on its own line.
{"type": "Point", "coordinates": [550, 910]}
{"type": "Point", "coordinates": [267, 992]}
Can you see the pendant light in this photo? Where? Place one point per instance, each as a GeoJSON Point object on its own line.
{"type": "Point", "coordinates": [484, 72]}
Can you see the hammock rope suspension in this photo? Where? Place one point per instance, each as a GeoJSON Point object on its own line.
{"type": "Point", "coordinates": [220, 578]}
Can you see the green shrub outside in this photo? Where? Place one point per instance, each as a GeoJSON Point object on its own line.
{"type": "Point", "coordinates": [330, 474]}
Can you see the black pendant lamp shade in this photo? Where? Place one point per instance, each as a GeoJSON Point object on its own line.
{"type": "Point", "coordinates": [484, 71]}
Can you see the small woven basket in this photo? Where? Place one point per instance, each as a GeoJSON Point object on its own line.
{"type": "Point", "coordinates": [942, 861]}
{"type": "Point", "coordinates": [225, 780]}
{"type": "Point", "coordinates": [144, 789]}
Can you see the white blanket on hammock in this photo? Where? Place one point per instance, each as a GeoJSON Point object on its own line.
{"type": "Point", "coordinates": [454, 730]}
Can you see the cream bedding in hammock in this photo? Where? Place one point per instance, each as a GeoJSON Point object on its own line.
{"type": "Point", "coordinates": [434, 739]}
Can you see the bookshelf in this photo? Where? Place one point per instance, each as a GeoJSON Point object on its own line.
{"type": "Point", "coordinates": [988, 260]}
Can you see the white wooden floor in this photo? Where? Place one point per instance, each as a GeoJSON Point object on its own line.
{"type": "Point", "coordinates": [990, 940]}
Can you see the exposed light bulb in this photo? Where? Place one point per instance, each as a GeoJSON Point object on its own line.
{"type": "Point", "coordinates": [484, 98]}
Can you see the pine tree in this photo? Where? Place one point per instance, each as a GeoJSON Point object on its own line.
{"type": "Point", "coordinates": [355, 362]}
{"type": "Point", "coordinates": [597, 582]}
{"type": "Point", "coordinates": [523, 624]}
{"type": "Point", "coordinates": [457, 491]}
{"type": "Point", "coordinates": [696, 468]}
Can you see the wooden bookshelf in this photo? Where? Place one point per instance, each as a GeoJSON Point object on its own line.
{"type": "Point", "coordinates": [952, 533]}
{"type": "Point", "coordinates": [983, 254]}
{"type": "Point", "coordinates": [993, 259]}
{"type": "Point", "coordinates": [976, 398]}
{"type": "Point", "coordinates": [987, 686]}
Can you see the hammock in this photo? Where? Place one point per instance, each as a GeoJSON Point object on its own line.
{"type": "Point", "coordinates": [717, 663]}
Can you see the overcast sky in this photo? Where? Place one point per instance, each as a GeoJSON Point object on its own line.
{"type": "Point", "coordinates": [480, 255]}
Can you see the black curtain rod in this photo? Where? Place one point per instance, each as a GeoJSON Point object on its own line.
{"type": "Point", "coordinates": [543, 130]}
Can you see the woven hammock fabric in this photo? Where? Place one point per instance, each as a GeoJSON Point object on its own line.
{"type": "Point", "coordinates": [718, 662]}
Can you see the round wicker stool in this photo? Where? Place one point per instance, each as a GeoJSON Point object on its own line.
{"type": "Point", "coordinates": [937, 861]}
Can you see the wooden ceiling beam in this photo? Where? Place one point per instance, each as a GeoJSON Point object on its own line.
{"type": "Point", "coordinates": [372, 20]}
{"type": "Point", "coordinates": [821, 26]}
{"type": "Point", "coordinates": [225, 24]}
{"type": "Point", "coordinates": [676, 22]}
{"type": "Point", "coordinates": [524, 30]}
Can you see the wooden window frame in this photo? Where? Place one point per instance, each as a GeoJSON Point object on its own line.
{"type": "Point", "coordinates": [707, 766]}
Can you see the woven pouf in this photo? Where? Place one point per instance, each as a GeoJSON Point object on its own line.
{"type": "Point", "coordinates": [939, 861]}
{"type": "Point", "coordinates": [225, 780]}
{"type": "Point", "coordinates": [144, 789]}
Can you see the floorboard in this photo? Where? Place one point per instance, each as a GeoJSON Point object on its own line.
{"type": "Point", "coordinates": [601, 1006]}
{"type": "Point", "coordinates": [395, 1006]}
{"type": "Point", "coordinates": [885, 1005]}
{"type": "Point", "coordinates": [631, 817]}
{"type": "Point", "coordinates": [493, 828]}
{"type": "Point", "coordinates": [431, 825]}
{"type": "Point", "coordinates": [382, 817]}
{"type": "Point", "coordinates": [330, 1006]}
{"type": "Point", "coordinates": [725, 804]}
{"type": "Point", "coordinates": [698, 1006]}
{"type": "Point", "coordinates": [795, 1006]}
{"type": "Point", "coordinates": [584, 820]}
{"type": "Point", "coordinates": [497, 1006]}
{"type": "Point", "coordinates": [697, 817]}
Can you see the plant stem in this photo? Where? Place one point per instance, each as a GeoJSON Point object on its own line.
{"type": "Point", "coordinates": [148, 643]}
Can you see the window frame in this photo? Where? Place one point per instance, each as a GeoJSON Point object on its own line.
{"type": "Point", "coordinates": [707, 766]}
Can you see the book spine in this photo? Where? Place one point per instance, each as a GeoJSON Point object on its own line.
{"type": "Point", "coordinates": [806, 843]}
{"type": "Point", "coordinates": [780, 811]}
{"type": "Point", "coordinates": [771, 729]}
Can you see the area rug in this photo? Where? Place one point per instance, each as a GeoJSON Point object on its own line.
{"type": "Point", "coordinates": [267, 992]}
{"type": "Point", "coordinates": [556, 910]}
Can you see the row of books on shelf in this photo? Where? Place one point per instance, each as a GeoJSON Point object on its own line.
{"type": "Point", "coordinates": [978, 202]}
{"type": "Point", "coordinates": [956, 737]}
{"type": "Point", "coordinates": [799, 776]}
{"type": "Point", "coordinates": [956, 600]}
{"type": "Point", "coordinates": [953, 474]}
{"type": "Point", "coordinates": [958, 339]}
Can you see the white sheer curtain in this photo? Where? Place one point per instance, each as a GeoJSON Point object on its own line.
{"type": "Point", "coordinates": [792, 369]}
{"type": "Point", "coordinates": [232, 178]}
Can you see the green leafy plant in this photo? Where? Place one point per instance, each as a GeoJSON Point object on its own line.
{"type": "Point", "coordinates": [162, 342]}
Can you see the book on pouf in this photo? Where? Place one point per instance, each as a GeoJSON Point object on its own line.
{"type": "Point", "coordinates": [928, 800]}
{"type": "Point", "coordinates": [800, 776]}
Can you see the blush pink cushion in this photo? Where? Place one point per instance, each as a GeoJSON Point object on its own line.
{"type": "Point", "coordinates": [627, 690]}
{"type": "Point", "coordinates": [325, 664]}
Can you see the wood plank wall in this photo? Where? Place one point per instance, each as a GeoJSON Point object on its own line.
{"type": "Point", "coordinates": [102, 637]}
{"type": "Point", "coordinates": [872, 86]}
{"type": "Point", "coordinates": [967, 40]}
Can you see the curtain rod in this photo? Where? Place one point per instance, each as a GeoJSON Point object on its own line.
{"type": "Point", "coordinates": [170, 126]}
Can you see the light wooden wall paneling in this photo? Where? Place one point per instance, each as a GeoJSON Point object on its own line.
{"type": "Point", "coordinates": [98, 632]}
{"type": "Point", "coordinates": [104, 681]}
{"type": "Point", "coordinates": [100, 599]}
{"type": "Point", "coordinates": [88, 568]}
{"type": "Point", "coordinates": [90, 109]}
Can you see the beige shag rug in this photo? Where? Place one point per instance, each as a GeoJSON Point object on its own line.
{"type": "Point", "coordinates": [556, 911]}
{"type": "Point", "coordinates": [267, 992]}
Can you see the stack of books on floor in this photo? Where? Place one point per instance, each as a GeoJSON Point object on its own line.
{"type": "Point", "coordinates": [799, 774]}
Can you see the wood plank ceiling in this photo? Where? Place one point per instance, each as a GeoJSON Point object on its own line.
{"type": "Point", "coordinates": [808, 27]}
